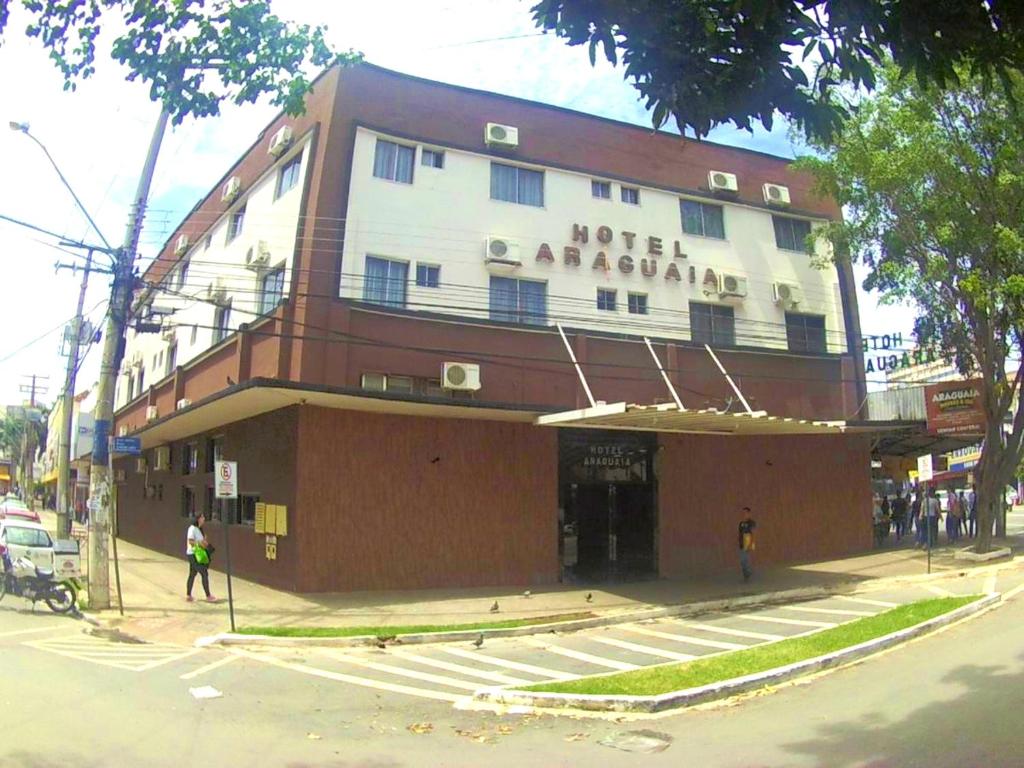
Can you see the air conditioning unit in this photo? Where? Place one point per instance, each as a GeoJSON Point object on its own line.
{"type": "Point", "coordinates": [181, 245]}
{"type": "Point", "coordinates": [461, 376]}
{"type": "Point", "coordinates": [169, 332]}
{"type": "Point", "coordinates": [497, 135]}
{"type": "Point", "coordinates": [140, 465]}
{"type": "Point", "coordinates": [231, 189]}
{"type": "Point", "coordinates": [732, 285]}
{"type": "Point", "coordinates": [786, 294]}
{"type": "Point", "coordinates": [720, 181]}
{"type": "Point", "coordinates": [280, 141]}
{"type": "Point", "coordinates": [122, 430]}
{"type": "Point", "coordinates": [776, 194]}
{"type": "Point", "coordinates": [258, 256]}
{"type": "Point", "coordinates": [501, 250]}
{"type": "Point", "coordinates": [152, 413]}
{"type": "Point", "coordinates": [216, 292]}
{"type": "Point", "coordinates": [183, 403]}
{"type": "Point", "coordinates": [162, 458]}
{"type": "Point", "coordinates": [375, 382]}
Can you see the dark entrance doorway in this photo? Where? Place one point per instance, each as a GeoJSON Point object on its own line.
{"type": "Point", "coordinates": [607, 511]}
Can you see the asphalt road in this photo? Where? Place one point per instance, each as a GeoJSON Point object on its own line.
{"type": "Point", "coordinates": [71, 699]}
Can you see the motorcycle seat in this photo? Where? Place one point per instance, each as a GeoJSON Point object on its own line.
{"type": "Point", "coordinates": [44, 574]}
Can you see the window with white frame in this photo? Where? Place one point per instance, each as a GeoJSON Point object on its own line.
{"type": "Point", "coordinates": [805, 333]}
{"type": "Point", "coordinates": [288, 176]}
{"type": "Point", "coordinates": [517, 185]}
{"type": "Point", "coordinates": [271, 289]}
{"type": "Point", "coordinates": [518, 301]}
{"type": "Point", "coordinates": [432, 158]}
{"type": "Point", "coordinates": [703, 219]}
{"type": "Point", "coordinates": [638, 303]}
{"type": "Point", "coordinates": [393, 161]}
{"type": "Point", "coordinates": [183, 274]}
{"type": "Point", "coordinates": [235, 222]}
{"type": "Point", "coordinates": [428, 275]}
{"type": "Point", "coordinates": [712, 324]}
{"type": "Point", "coordinates": [385, 281]}
{"type": "Point", "coordinates": [791, 234]}
{"type": "Point", "coordinates": [601, 189]}
{"type": "Point", "coordinates": [221, 322]}
{"type": "Point", "coordinates": [606, 299]}
{"type": "Point", "coordinates": [631, 195]}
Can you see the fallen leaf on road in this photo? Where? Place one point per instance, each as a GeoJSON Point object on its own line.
{"type": "Point", "coordinates": [420, 728]}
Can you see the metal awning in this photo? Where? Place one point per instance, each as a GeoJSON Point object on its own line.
{"type": "Point", "coordinates": [910, 439]}
{"type": "Point", "coordinates": [668, 417]}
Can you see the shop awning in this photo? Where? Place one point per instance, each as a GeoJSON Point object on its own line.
{"type": "Point", "coordinates": [668, 417]}
{"type": "Point", "coordinates": [909, 439]}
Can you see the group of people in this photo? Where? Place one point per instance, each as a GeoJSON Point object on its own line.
{"type": "Point", "coordinates": [921, 515]}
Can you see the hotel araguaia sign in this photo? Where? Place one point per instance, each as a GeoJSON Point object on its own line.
{"type": "Point", "coordinates": [954, 408]}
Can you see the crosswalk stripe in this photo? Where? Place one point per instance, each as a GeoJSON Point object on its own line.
{"type": "Point", "coordinates": [650, 651]}
{"type": "Point", "coordinates": [391, 669]}
{"type": "Point", "coordinates": [554, 674]}
{"type": "Point", "coordinates": [364, 682]}
{"type": "Point", "coordinates": [589, 658]}
{"type": "Point", "coordinates": [735, 632]}
{"type": "Point", "coordinates": [209, 667]}
{"type": "Point", "coordinates": [990, 583]}
{"type": "Point", "coordinates": [836, 611]}
{"type": "Point", "coordinates": [937, 590]}
{"type": "Point", "coordinates": [48, 628]}
{"type": "Point", "coordinates": [866, 601]}
{"type": "Point", "coordinates": [720, 644]}
{"type": "Point", "coordinates": [793, 622]}
{"type": "Point", "coordinates": [494, 677]}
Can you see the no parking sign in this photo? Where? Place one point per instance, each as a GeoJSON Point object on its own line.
{"type": "Point", "coordinates": [226, 483]}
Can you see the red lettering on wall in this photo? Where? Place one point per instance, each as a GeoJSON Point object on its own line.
{"type": "Point", "coordinates": [604, 234]}
{"type": "Point", "coordinates": [654, 246]}
{"type": "Point", "coordinates": [672, 272]}
{"type": "Point", "coordinates": [544, 253]}
{"type": "Point", "coordinates": [649, 267]}
{"type": "Point", "coordinates": [678, 251]}
{"type": "Point", "coordinates": [571, 255]}
{"type": "Point", "coordinates": [601, 261]}
{"type": "Point", "coordinates": [626, 264]}
{"type": "Point", "coordinates": [582, 234]}
{"type": "Point", "coordinates": [628, 236]}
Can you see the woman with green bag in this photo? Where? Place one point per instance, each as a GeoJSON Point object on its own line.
{"type": "Point", "coordinates": [197, 552]}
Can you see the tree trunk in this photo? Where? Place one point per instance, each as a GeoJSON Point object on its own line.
{"type": "Point", "coordinates": [990, 484]}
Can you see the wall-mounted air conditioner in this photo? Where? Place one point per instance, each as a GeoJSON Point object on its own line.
{"type": "Point", "coordinates": [375, 382]}
{"type": "Point", "coordinates": [732, 286]}
{"type": "Point", "coordinates": [776, 194]}
{"type": "Point", "coordinates": [231, 189]}
{"type": "Point", "coordinates": [502, 251]}
{"type": "Point", "coordinates": [140, 465]}
{"type": "Point", "coordinates": [497, 135]}
{"type": "Point", "coordinates": [152, 413]}
{"type": "Point", "coordinates": [461, 376]}
{"type": "Point", "coordinates": [216, 292]}
{"type": "Point", "coordinates": [786, 294]}
{"type": "Point", "coordinates": [181, 245]}
{"type": "Point", "coordinates": [162, 458]}
{"type": "Point", "coordinates": [258, 256]}
{"type": "Point", "coordinates": [183, 403]}
{"type": "Point", "coordinates": [720, 181]}
{"type": "Point", "coordinates": [280, 141]}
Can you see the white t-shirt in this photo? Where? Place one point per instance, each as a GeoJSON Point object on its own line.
{"type": "Point", "coordinates": [194, 534]}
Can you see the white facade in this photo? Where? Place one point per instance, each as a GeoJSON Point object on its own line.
{"type": "Point", "coordinates": [219, 292]}
{"type": "Point", "coordinates": [445, 216]}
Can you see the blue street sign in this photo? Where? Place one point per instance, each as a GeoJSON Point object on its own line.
{"type": "Point", "coordinates": [129, 445]}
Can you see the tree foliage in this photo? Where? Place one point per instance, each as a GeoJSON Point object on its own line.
{"type": "Point", "coordinates": [194, 54]}
{"type": "Point", "coordinates": [711, 62]}
{"type": "Point", "coordinates": [932, 184]}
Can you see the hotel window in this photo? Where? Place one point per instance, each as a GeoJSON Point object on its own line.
{"type": "Point", "coordinates": [638, 303]}
{"type": "Point", "coordinates": [791, 234]}
{"type": "Point", "coordinates": [182, 274]}
{"type": "Point", "coordinates": [601, 189]}
{"type": "Point", "coordinates": [214, 451]}
{"type": "Point", "coordinates": [288, 176]}
{"type": "Point", "coordinates": [271, 289]}
{"type": "Point", "coordinates": [393, 161]}
{"type": "Point", "coordinates": [385, 281]}
{"type": "Point", "coordinates": [519, 301]}
{"type": "Point", "coordinates": [432, 158]}
{"type": "Point", "coordinates": [189, 458]}
{"type": "Point", "coordinates": [517, 185]}
{"type": "Point", "coordinates": [428, 275]}
{"type": "Point", "coordinates": [712, 324]}
{"type": "Point", "coordinates": [606, 299]}
{"type": "Point", "coordinates": [805, 333]}
{"type": "Point", "coordinates": [188, 501]}
{"type": "Point", "coordinates": [172, 358]}
{"type": "Point", "coordinates": [235, 222]}
{"type": "Point", "coordinates": [221, 322]}
{"type": "Point", "coordinates": [702, 219]}
{"type": "Point", "coordinates": [631, 195]}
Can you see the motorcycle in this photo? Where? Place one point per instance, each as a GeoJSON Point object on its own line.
{"type": "Point", "coordinates": [22, 578]}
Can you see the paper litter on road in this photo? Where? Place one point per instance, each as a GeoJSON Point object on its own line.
{"type": "Point", "coordinates": [205, 692]}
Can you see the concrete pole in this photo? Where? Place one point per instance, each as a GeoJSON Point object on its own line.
{"type": "Point", "coordinates": [64, 447]}
{"type": "Point", "coordinates": [113, 349]}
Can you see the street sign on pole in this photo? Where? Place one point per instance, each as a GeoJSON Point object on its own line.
{"type": "Point", "coordinates": [129, 445]}
{"type": "Point", "coordinates": [226, 487]}
{"type": "Point", "coordinates": [924, 468]}
{"type": "Point", "coordinates": [226, 479]}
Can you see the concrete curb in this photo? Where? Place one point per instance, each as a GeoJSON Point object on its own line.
{"type": "Point", "coordinates": [726, 688]}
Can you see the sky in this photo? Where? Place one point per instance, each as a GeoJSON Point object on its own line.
{"type": "Point", "coordinates": [98, 135]}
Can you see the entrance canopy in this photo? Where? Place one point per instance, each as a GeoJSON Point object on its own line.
{"type": "Point", "coordinates": [669, 417]}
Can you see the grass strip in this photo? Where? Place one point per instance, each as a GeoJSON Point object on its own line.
{"type": "Point", "coordinates": [414, 629]}
{"type": "Point", "coordinates": [692, 674]}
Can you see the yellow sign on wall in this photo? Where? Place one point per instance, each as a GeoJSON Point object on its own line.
{"type": "Point", "coordinates": [261, 517]}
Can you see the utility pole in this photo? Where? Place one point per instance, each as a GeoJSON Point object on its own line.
{"type": "Point", "coordinates": [65, 446]}
{"type": "Point", "coordinates": [100, 491]}
{"type": "Point", "coordinates": [28, 437]}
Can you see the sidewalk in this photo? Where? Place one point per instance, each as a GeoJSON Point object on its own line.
{"type": "Point", "coordinates": [155, 609]}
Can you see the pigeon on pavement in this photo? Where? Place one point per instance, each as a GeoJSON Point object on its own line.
{"type": "Point", "coordinates": [494, 608]}
{"type": "Point", "coordinates": [590, 597]}
{"type": "Point", "coordinates": [479, 641]}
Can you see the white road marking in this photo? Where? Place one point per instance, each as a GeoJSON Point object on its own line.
{"type": "Point", "coordinates": [391, 669]}
{"type": "Point", "coordinates": [133, 658]}
{"type": "Point", "coordinates": [735, 632]}
{"type": "Point", "coordinates": [364, 682]}
{"type": "Point", "coordinates": [793, 622]}
{"type": "Point", "coordinates": [720, 644]}
{"type": "Point", "coordinates": [497, 661]}
{"type": "Point", "coordinates": [643, 649]}
{"type": "Point", "coordinates": [462, 669]}
{"type": "Point", "coordinates": [589, 658]}
{"type": "Point", "coordinates": [937, 590]}
{"type": "Point", "coordinates": [49, 628]}
{"type": "Point", "coordinates": [866, 601]}
{"type": "Point", "coordinates": [209, 667]}
{"type": "Point", "coordinates": [836, 611]}
{"type": "Point", "coordinates": [1013, 592]}
{"type": "Point", "coordinates": [990, 583]}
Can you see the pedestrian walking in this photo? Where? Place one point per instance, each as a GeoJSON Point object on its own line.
{"type": "Point", "coordinates": [899, 515]}
{"type": "Point", "coordinates": [746, 542]}
{"type": "Point", "coordinates": [953, 520]}
{"type": "Point", "coordinates": [932, 512]}
{"type": "Point", "coordinates": [972, 512]}
{"type": "Point", "coordinates": [962, 513]}
{"type": "Point", "coordinates": [198, 559]}
{"type": "Point", "coordinates": [915, 517]}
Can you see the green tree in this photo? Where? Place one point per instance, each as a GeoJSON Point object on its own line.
{"type": "Point", "coordinates": [932, 184]}
{"type": "Point", "coordinates": [194, 54]}
{"type": "Point", "coordinates": [710, 62]}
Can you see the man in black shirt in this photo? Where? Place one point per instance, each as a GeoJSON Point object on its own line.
{"type": "Point", "coordinates": [746, 542]}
